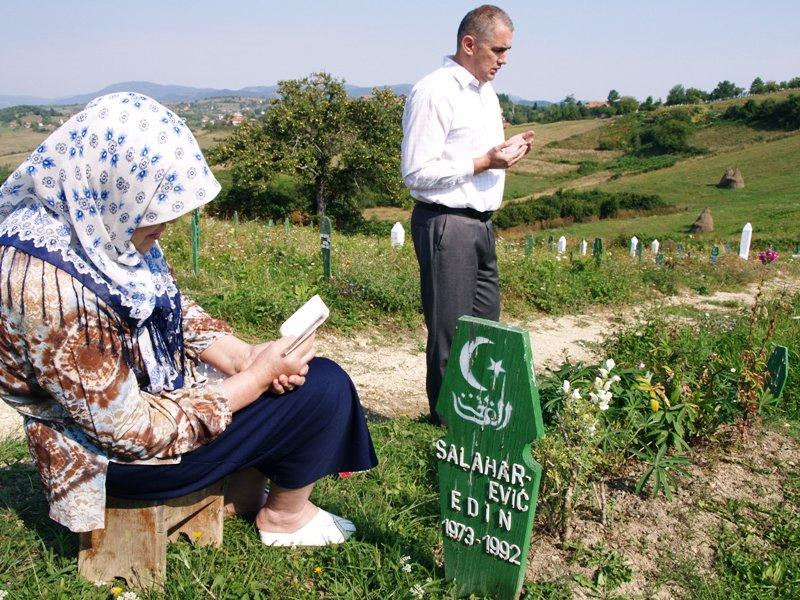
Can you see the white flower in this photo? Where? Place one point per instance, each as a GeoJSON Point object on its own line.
{"type": "Point", "coordinates": [603, 405]}
{"type": "Point", "coordinates": [607, 385]}
{"type": "Point", "coordinates": [576, 394]}
{"type": "Point", "coordinates": [417, 591]}
{"type": "Point", "coordinates": [733, 370]}
{"type": "Point", "coordinates": [603, 373]}
{"type": "Point", "coordinates": [598, 383]}
{"type": "Point", "coordinates": [3, 594]}
{"type": "Point", "coordinates": [592, 429]}
{"type": "Point", "coordinates": [129, 596]}
{"type": "Point", "coordinates": [641, 365]}
{"type": "Point", "coordinates": [404, 559]}
{"type": "Point", "coordinates": [565, 386]}
{"type": "Point", "coordinates": [616, 378]}
{"type": "Point", "coordinates": [610, 364]}
{"type": "Point", "coordinates": [406, 568]}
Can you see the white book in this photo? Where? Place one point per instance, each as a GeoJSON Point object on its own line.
{"type": "Point", "coordinates": [304, 321]}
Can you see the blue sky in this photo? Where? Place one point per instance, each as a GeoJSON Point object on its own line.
{"type": "Point", "coordinates": [52, 48]}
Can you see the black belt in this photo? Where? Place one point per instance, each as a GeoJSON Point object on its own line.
{"type": "Point", "coordinates": [464, 212]}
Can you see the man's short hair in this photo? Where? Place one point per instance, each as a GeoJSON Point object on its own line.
{"type": "Point", "coordinates": [481, 21]}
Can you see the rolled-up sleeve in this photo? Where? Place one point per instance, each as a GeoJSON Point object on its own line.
{"type": "Point", "coordinates": [425, 127]}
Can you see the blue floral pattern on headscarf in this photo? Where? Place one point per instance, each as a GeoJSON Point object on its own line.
{"type": "Point", "coordinates": [123, 162]}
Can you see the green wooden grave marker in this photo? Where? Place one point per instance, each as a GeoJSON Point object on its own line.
{"type": "Point", "coordinates": [488, 480]}
{"type": "Point", "coordinates": [778, 367]}
{"type": "Point", "coordinates": [714, 255]}
{"type": "Point", "coordinates": [597, 246]}
{"type": "Point", "coordinates": [235, 218]}
{"type": "Point", "coordinates": [728, 248]}
{"type": "Point", "coordinates": [639, 250]}
{"type": "Point", "coordinates": [270, 223]}
{"type": "Point", "coordinates": [550, 243]}
{"type": "Point", "coordinates": [660, 258]}
{"type": "Point", "coordinates": [325, 242]}
{"type": "Point", "coordinates": [796, 251]}
{"type": "Point", "coordinates": [529, 242]}
{"type": "Point", "coordinates": [680, 249]}
{"type": "Point", "coordinates": [196, 242]}
{"type": "Point", "coordinates": [286, 226]}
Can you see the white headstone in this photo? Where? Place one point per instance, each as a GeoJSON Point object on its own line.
{"type": "Point", "coordinates": [654, 246]}
{"type": "Point", "coordinates": [744, 245]}
{"type": "Point", "coordinates": [583, 247]}
{"type": "Point", "coordinates": [562, 245]}
{"type": "Point", "coordinates": [398, 235]}
{"type": "Point", "coordinates": [633, 245]}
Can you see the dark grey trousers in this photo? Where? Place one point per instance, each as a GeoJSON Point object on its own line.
{"type": "Point", "coordinates": [458, 276]}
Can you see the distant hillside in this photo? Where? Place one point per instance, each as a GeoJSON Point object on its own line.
{"type": "Point", "coordinates": [182, 93]}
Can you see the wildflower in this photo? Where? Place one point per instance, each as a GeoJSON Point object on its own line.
{"type": "Point", "coordinates": [565, 386]}
{"type": "Point", "coordinates": [610, 364]}
{"type": "Point", "coordinates": [318, 570]}
{"type": "Point", "coordinates": [3, 594]}
{"type": "Point", "coordinates": [654, 405]}
{"type": "Point", "coordinates": [576, 394]}
{"type": "Point", "coordinates": [196, 535]}
{"type": "Point", "coordinates": [733, 369]}
{"type": "Point", "coordinates": [129, 596]}
{"type": "Point", "coordinates": [641, 365]}
{"type": "Point", "coordinates": [407, 568]}
{"type": "Point", "coordinates": [116, 591]}
{"type": "Point", "coordinates": [616, 378]}
{"type": "Point", "coordinates": [603, 373]}
{"type": "Point", "coordinates": [417, 591]}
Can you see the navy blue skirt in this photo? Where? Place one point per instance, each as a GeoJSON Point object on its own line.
{"type": "Point", "coordinates": [295, 439]}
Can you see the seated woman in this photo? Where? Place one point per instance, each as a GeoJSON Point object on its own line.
{"type": "Point", "coordinates": [100, 351]}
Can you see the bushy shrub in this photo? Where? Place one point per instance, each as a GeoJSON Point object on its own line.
{"type": "Point", "coordinates": [575, 205]}
{"type": "Point", "coordinates": [770, 113]}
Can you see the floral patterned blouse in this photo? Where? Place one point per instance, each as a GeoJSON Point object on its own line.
{"type": "Point", "coordinates": [70, 366]}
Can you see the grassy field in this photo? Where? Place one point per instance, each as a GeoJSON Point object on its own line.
{"type": "Point", "coordinates": [770, 200]}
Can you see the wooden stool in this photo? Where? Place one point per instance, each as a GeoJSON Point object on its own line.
{"type": "Point", "coordinates": [133, 544]}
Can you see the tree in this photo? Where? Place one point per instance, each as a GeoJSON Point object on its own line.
{"type": "Point", "coordinates": [695, 96]}
{"type": "Point", "coordinates": [771, 86]}
{"type": "Point", "coordinates": [757, 87]}
{"type": "Point", "coordinates": [613, 97]}
{"type": "Point", "coordinates": [726, 89]}
{"type": "Point", "coordinates": [647, 105]}
{"type": "Point", "coordinates": [677, 95]}
{"type": "Point", "coordinates": [794, 82]}
{"type": "Point", "coordinates": [627, 104]}
{"type": "Point", "coordinates": [332, 145]}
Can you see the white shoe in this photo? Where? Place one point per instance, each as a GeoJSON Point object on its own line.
{"type": "Point", "coordinates": [324, 529]}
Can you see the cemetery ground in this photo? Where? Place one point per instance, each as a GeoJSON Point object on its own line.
{"type": "Point", "coordinates": [730, 530]}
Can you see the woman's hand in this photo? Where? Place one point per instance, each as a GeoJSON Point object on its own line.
{"type": "Point", "coordinates": [269, 369]}
{"type": "Point", "coordinates": [289, 370]}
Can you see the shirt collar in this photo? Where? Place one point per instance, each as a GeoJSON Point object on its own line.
{"type": "Point", "coordinates": [464, 77]}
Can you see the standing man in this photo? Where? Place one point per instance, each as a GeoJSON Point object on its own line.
{"type": "Point", "coordinates": [454, 161]}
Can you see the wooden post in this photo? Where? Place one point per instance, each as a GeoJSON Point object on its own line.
{"type": "Point", "coordinates": [597, 250]}
{"type": "Point", "coordinates": [196, 241]}
{"type": "Point", "coordinates": [660, 258]}
{"type": "Point", "coordinates": [325, 242]}
{"type": "Point", "coordinates": [529, 241]}
{"type": "Point", "coordinates": [488, 481]}
{"type": "Point", "coordinates": [778, 367]}
{"type": "Point", "coordinates": [714, 255]}
{"type": "Point", "coordinates": [639, 249]}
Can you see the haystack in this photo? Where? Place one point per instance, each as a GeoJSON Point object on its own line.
{"type": "Point", "coordinates": [704, 223]}
{"type": "Point", "coordinates": [732, 179]}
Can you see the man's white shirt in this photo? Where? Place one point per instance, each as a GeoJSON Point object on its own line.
{"type": "Point", "coordinates": [449, 119]}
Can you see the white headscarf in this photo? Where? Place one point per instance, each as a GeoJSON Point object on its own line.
{"type": "Point", "coordinates": [124, 161]}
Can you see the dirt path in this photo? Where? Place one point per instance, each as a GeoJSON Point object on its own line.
{"type": "Point", "coordinates": [389, 372]}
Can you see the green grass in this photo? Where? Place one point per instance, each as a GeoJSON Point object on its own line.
{"type": "Point", "coordinates": [770, 200]}
{"type": "Point", "coordinates": [255, 277]}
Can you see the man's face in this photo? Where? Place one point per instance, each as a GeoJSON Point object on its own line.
{"type": "Point", "coordinates": [489, 54]}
